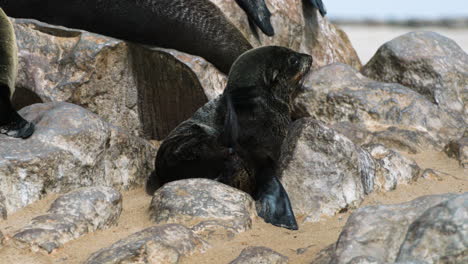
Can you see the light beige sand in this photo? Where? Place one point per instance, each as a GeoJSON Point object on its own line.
{"type": "Point", "coordinates": [367, 39]}
{"type": "Point", "coordinates": [310, 238]}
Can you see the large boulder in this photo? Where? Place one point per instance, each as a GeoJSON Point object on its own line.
{"type": "Point", "coordinates": [322, 171]}
{"type": "Point", "coordinates": [71, 216]}
{"type": "Point", "coordinates": [158, 244]}
{"type": "Point", "coordinates": [429, 229]}
{"type": "Point", "coordinates": [70, 148]}
{"type": "Point", "coordinates": [440, 235]}
{"type": "Point", "coordinates": [395, 115]}
{"type": "Point", "coordinates": [147, 90]}
{"type": "Point", "coordinates": [429, 63]}
{"type": "Point", "coordinates": [300, 27]}
{"type": "Point", "coordinates": [207, 205]}
{"type": "Point", "coordinates": [254, 255]}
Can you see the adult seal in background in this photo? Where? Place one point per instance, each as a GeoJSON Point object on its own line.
{"type": "Point", "coordinates": [196, 27]}
{"type": "Point", "coordinates": [11, 123]}
{"type": "Point", "coordinates": [242, 129]}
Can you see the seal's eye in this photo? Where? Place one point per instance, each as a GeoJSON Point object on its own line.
{"type": "Point", "coordinates": [293, 61]}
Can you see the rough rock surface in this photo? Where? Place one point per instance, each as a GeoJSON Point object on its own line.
{"type": "Point", "coordinates": [71, 216]}
{"type": "Point", "coordinates": [300, 27]}
{"type": "Point", "coordinates": [397, 116]}
{"type": "Point", "coordinates": [148, 91]}
{"type": "Point", "coordinates": [70, 148]}
{"type": "Point", "coordinates": [322, 171]}
{"type": "Point", "coordinates": [440, 235]}
{"type": "Point", "coordinates": [382, 233]}
{"type": "Point", "coordinates": [254, 255]}
{"type": "Point", "coordinates": [204, 204]}
{"type": "Point", "coordinates": [459, 149]}
{"type": "Point", "coordinates": [392, 168]}
{"type": "Point", "coordinates": [158, 244]}
{"type": "Point", "coordinates": [429, 63]}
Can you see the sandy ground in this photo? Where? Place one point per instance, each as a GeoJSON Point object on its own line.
{"type": "Point", "coordinates": [300, 246]}
{"type": "Point", "coordinates": [367, 39]}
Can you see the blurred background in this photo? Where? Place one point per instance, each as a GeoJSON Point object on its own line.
{"type": "Point", "coordinates": [370, 23]}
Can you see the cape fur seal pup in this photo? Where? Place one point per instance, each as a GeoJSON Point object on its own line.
{"type": "Point", "coordinates": [11, 123]}
{"type": "Point", "coordinates": [247, 122]}
{"type": "Point", "coordinates": [196, 27]}
{"type": "Point", "coordinates": [258, 15]}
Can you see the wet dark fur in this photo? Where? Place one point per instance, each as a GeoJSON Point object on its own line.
{"type": "Point", "coordinates": [11, 123]}
{"type": "Point", "coordinates": [194, 26]}
{"type": "Point", "coordinates": [237, 137]}
{"type": "Point", "coordinates": [258, 15]}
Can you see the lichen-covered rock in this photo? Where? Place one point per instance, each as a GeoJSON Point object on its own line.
{"type": "Point", "coordinates": [193, 201]}
{"type": "Point", "coordinates": [71, 216]}
{"type": "Point", "coordinates": [378, 232]}
{"type": "Point", "coordinates": [254, 255]}
{"type": "Point", "coordinates": [322, 171]}
{"type": "Point", "coordinates": [459, 149]}
{"type": "Point", "coordinates": [392, 168]}
{"type": "Point", "coordinates": [149, 91]}
{"type": "Point", "coordinates": [429, 63]}
{"type": "Point", "coordinates": [70, 148]}
{"type": "Point", "coordinates": [158, 244]}
{"type": "Point", "coordinates": [440, 235]}
{"type": "Point", "coordinates": [397, 116]}
{"type": "Point", "coordinates": [300, 27]}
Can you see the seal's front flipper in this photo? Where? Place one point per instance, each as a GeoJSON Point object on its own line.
{"type": "Point", "coordinates": [11, 123]}
{"type": "Point", "coordinates": [18, 128]}
{"type": "Point", "coordinates": [273, 204]}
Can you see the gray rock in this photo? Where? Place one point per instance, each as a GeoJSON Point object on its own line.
{"type": "Point", "coordinates": [430, 174]}
{"type": "Point", "coordinates": [429, 63]}
{"type": "Point", "coordinates": [194, 201]}
{"type": "Point", "coordinates": [128, 85]}
{"type": "Point", "coordinates": [397, 116]}
{"type": "Point", "coordinates": [377, 232]}
{"type": "Point", "coordinates": [440, 235]}
{"type": "Point", "coordinates": [392, 168]}
{"type": "Point", "coordinates": [459, 149]}
{"type": "Point", "coordinates": [70, 148]}
{"type": "Point", "coordinates": [71, 216]}
{"type": "Point", "coordinates": [300, 27]}
{"type": "Point", "coordinates": [158, 244]}
{"type": "Point", "coordinates": [3, 210]}
{"type": "Point", "coordinates": [254, 255]}
{"type": "Point", "coordinates": [322, 171]}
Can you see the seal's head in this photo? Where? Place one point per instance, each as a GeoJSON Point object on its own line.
{"type": "Point", "coordinates": [270, 72]}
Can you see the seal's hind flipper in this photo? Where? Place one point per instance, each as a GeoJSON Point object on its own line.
{"type": "Point", "coordinates": [258, 11]}
{"type": "Point", "coordinates": [273, 204]}
{"type": "Point", "coordinates": [320, 6]}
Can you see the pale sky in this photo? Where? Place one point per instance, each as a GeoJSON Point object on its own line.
{"type": "Point", "coordinates": [396, 8]}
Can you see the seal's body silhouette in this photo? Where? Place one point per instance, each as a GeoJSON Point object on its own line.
{"type": "Point", "coordinates": [242, 130]}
